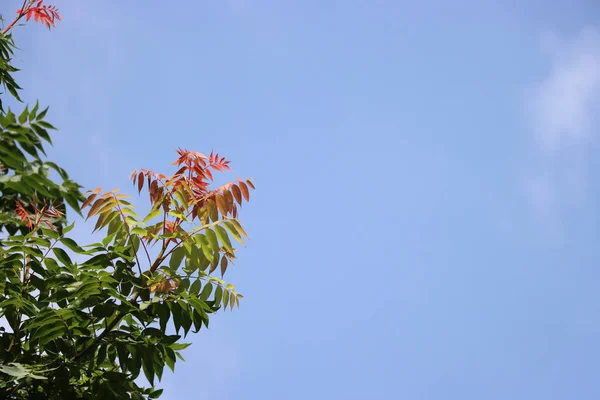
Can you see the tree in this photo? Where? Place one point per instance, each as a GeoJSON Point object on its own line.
{"type": "Point", "coordinates": [23, 180]}
{"type": "Point", "coordinates": [89, 329]}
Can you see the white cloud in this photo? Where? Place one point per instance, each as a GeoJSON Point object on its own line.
{"type": "Point", "coordinates": [563, 108]}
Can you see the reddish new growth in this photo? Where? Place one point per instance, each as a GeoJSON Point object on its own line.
{"type": "Point", "coordinates": [39, 216]}
{"type": "Point", "coordinates": [193, 177]}
{"type": "Point", "coordinates": [44, 14]}
{"type": "Point", "coordinates": [41, 13]}
{"type": "Point", "coordinates": [182, 198]}
{"type": "Point", "coordinates": [189, 186]}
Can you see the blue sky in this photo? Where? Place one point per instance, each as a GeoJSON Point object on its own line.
{"type": "Point", "coordinates": [426, 214]}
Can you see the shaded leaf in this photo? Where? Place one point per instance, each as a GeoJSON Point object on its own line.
{"type": "Point", "coordinates": [224, 263]}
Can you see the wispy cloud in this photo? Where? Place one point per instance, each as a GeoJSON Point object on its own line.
{"type": "Point", "coordinates": [563, 108]}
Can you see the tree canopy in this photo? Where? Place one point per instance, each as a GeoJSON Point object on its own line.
{"type": "Point", "coordinates": [86, 320]}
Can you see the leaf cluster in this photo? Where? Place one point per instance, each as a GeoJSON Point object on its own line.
{"type": "Point", "coordinates": [25, 177]}
{"type": "Point", "coordinates": [121, 311]}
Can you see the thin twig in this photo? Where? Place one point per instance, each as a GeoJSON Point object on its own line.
{"type": "Point", "coordinates": [24, 9]}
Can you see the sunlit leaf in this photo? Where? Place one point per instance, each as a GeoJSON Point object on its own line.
{"type": "Point", "coordinates": [223, 237]}
{"type": "Point", "coordinates": [233, 230]}
{"type": "Point", "coordinates": [238, 227]}
{"type": "Point", "coordinates": [231, 300]}
{"type": "Point", "coordinates": [153, 214]}
{"type": "Point", "coordinates": [212, 239]}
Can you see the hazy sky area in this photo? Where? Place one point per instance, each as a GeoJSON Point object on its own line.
{"type": "Point", "coordinates": [427, 212]}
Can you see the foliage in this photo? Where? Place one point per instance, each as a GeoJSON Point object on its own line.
{"type": "Point", "coordinates": [87, 320]}
{"type": "Point", "coordinates": [22, 179]}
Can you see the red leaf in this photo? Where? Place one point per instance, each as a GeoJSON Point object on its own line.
{"type": "Point", "coordinates": [208, 174]}
{"type": "Point", "coordinates": [140, 182]}
{"type": "Point", "coordinates": [237, 193]}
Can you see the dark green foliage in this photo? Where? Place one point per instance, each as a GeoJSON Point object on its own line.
{"type": "Point", "coordinates": [24, 175]}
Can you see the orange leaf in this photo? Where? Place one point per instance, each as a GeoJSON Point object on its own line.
{"type": "Point", "coordinates": [221, 203]}
{"type": "Point", "coordinates": [237, 194]}
{"type": "Point", "coordinates": [97, 205]}
{"type": "Point", "coordinates": [229, 197]}
{"type": "Point", "coordinates": [244, 190]}
{"type": "Point", "coordinates": [89, 200]}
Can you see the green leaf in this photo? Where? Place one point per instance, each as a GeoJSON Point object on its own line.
{"type": "Point", "coordinates": [179, 346]}
{"type": "Point", "coordinates": [123, 355]}
{"type": "Point", "coordinates": [176, 313]}
{"type": "Point", "coordinates": [186, 317]}
{"type": "Point", "coordinates": [223, 237]}
{"type": "Point", "coordinates": [206, 291]}
{"type": "Point", "coordinates": [225, 300]}
{"type": "Point", "coordinates": [195, 288]}
{"type": "Point", "coordinates": [108, 239]}
{"type": "Point", "coordinates": [176, 258]}
{"type": "Point", "coordinates": [42, 114]}
{"type": "Point", "coordinates": [50, 233]}
{"type": "Point", "coordinates": [204, 245]}
{"type": "Point", "coordinates": [163, 314]}
{"type": "Point", "coordinates": [62, 256]}
{"type": "Point", "coordinates": [34, 111]}
{"type": "Point", "coordinates": [214, 263]}
{"type": "Point", "coordinates": [170, 358]}
{"type": "Point", "coordinates": [159, 364]}
{"type": "Point", "coordinates": [51, 264]}
{"type": "Point", "coordinates": [47, 335]}
{"type": "Point", "coordinates": [101, 355]}
{"type": "Point", "coordinates": [148, 365]}
{"type": "Point", "coordinates": [153, 214]}
{"type": "Point", "coordinates": [234, 232]}
{"type": "Point", "coordinates": [212, 240]}
{"type": "Point", "coordinates": [231, 300]}
{"type": "Point", "coordinates": [238, 227]}
{"type": "Point", "coordinates": [72, 245]}
{"type": "Point", "coordinates": [218, 296]}
{"type": "Point", "coordinates": [19, 371]}
{"type": "Point", "coordinates": [41, 132]}
{"type": "Point", "coordinates": [45, 125]}
{"type": "Point", "coordinates": [68, 228]}
{"type": "Point", "coordinates": [24, 115]}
